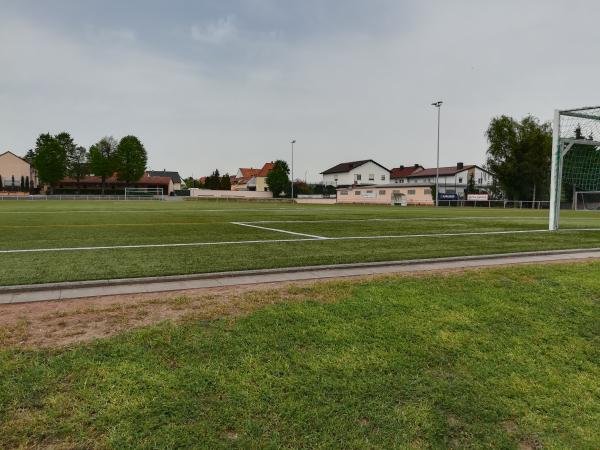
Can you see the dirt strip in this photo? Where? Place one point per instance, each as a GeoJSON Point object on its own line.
{"type": "Point", "coordinates": [66, 322]}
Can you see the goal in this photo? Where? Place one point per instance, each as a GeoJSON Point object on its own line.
{"type": "Point", "coordinates": [575, 175]}
{"type": "Point", "coordinates": [587, 201]}
{"type": "Point", "coordinates": [143, 193]}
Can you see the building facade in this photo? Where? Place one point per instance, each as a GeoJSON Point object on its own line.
{"type": "Point", "coordinates": [364, 172]}
{"type": "Point", "coordinates": [387, 194]}
{"type": "Point", "coordinates": [454, 179]}
{"type": "Point", "coordinates": [17, 175]}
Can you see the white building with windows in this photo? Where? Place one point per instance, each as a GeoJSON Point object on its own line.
{"type": "Point", "coordinates": [454, 179]}
{"type": "Point", "coordinates": [356, 173]}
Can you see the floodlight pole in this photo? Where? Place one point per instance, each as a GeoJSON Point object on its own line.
{"type": "Point", "coordinates": [293, 141]}
{"type": "Point", "coordinates": [438, 105]}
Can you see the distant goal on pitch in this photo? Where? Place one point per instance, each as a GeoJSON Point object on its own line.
{"type": "Point", "coordinates": [132, 193]}
{"type": "Point", "coordinates": [575, 176]}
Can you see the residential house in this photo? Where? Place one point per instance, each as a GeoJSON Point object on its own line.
{"type": "Point", "coordinates": [249, 179]}
{"type": "Point", "coordinates": [358, 173]}
{"type": "Point", "coordinates": [454, 179]}
{"type": "Point", "coordinates": [16, 174]}
{"type": "Point", "coordinates": [399, 175]}
{"type": "Point", "coordinates": [175, 177]}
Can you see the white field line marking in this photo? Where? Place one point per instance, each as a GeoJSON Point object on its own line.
{"type": "Point", "coordinates": [244, 224]}
{"type": "Point", "coordinates": [394, 219]}
{"type": "Point", "coordinates": [275, 241]}
{"type": "Point", "coordinates": [154, 211]}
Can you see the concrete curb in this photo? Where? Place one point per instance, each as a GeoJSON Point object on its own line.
{"type": "Point", "coordinates": [94, 288]}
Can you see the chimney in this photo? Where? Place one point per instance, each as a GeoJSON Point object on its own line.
{"type": "Point", "coordinates": [459, 165]}
{"type": "Point", "coordinates": [401, 167]}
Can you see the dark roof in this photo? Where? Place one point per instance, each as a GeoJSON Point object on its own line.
{"type": "Point", "coordinates": [402, 172]}
{"type": "Point", "coordinates": [348, 166]}
{"type": "Point", "coordinates": [452, 170]}
{"type": "Point", "coordinates": [175, 177]}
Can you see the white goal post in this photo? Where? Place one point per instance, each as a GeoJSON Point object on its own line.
{"type": "Point", "coordinates": [133, 193]}
{"type": "Point", "coordinates": [575, 156]}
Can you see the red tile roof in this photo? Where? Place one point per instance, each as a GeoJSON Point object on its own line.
{"type": "Point", "coordinates": [452, 170]}
{"type": "Point", "coordinates": [403, 172]}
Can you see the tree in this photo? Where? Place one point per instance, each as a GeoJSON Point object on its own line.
{"type": "Point", "coordinates": [29, 156]}
{"type": "Point", "coordinates": [278, 179]}
{"type": "Point", "coordinates": [1, 182]}
{"type": "Point", "coordinates": [78, 164]}
{"type": "Point", "coordinates": [130, 159]}
{"type": "Point", "coordinates": [471, 189]}
{"type": "Point", "coordinates": [519, 156]}
{"type": "Point", "coordinates": [22, 183]}
{"type": "Point", "coordinates": [225, 183]}
{"type": "Point", "coordinates": [50, 159]}
{"type": "Point", "coordinates": [27, 185]}
{"type": "Point", "coordinates": [213, 181]}
{"type": "Point", "coordinates": [102, 160]}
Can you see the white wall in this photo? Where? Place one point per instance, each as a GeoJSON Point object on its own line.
{"type": "Point", "coordinates": [379, 174]}
{"type": "Point", "coordinates": [209, 193]}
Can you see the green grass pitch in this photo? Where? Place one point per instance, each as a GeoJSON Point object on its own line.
{"type": "Point", "coordinates": [102, 239]}
{"type": "Point", "coordinates": [499, 358]}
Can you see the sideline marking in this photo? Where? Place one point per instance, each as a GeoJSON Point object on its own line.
{"type": "Point", "coordinates": [275, 241]}
{"type": "Point", "coordinates": [244, 224]}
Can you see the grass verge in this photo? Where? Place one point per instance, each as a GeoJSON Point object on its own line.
{"type": "Point", "coordinates": [494, 358]}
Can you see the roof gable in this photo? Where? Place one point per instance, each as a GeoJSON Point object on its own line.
{"type": "Point", "coordinates": [348, 166]}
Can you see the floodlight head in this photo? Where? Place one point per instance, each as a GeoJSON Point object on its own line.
{"type": "Point", "coordinates": [437, 104]}
{"type": "Point", "coordinates": [293, 141]}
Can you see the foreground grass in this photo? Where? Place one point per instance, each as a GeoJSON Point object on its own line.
{"type": "Point", "coordinates": [502, 358]}
{"type": "Point", "coordinates": [35, 225]}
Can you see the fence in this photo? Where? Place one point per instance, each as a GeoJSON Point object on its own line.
{"type": "Point", "coordinates": [517, 204]}
{"type": "Point", "coordinates": [76, 197]}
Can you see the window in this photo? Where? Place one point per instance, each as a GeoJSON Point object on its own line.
{"type": "Point", "coordinates": [382, 177]}
{"type": "Point", "coordinates": [371, 177]}
{"type": "Point", "coordinates": [460, 180]}
{"type": "Point", "coordinates": [479, 181]}
{"type": "Point", "coordinates": [411, 192]}
{"type": "Point", "coordinates": [356, 192]}
{"type": "Point", "coordinates": [381, 192]}
{"type": "Point", "coordinates": [335, 179]}
{"type": "Point", "coordinates": [369, 192]}
{"type": "Point", "coordinates": [427, 191]}
{"type": "Point", "coordinates": [358, 177]}
{"type": "Point", "coordinates": [343, 192]}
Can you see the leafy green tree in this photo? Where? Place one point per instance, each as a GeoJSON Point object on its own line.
{"type": "Point", "coordinates": [50, 159]}
{"type": "Point", "coordinates": [130, 159]}
{"type": "Point", "coordinates": [278, 179]}
{"type": "Point", "coordinates": [27, 184]}
{"type": "Point", "coordinates": [519, 156]}
{"type": "Point", "coordinates": [78, 164]}
{"type": "Point", "coordinates": [102, 159]}
{"type": "Point", "coordinates": [22, 183]}
{"type": "Point", "coordinates": [225, 183]}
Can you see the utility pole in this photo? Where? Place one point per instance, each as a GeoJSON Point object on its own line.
{"type": "Point", "coordinates": [438, 105]}
{"type": "Point", "coordinates": [293, 141]}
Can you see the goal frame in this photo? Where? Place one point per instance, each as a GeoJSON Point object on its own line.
{"type": "Point", "coordinates": [560, 147]}
{"type": "Point", "coordinates": [156, 192]}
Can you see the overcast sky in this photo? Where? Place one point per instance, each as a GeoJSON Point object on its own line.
{"type": "Point", "coordinates": [225, 83]}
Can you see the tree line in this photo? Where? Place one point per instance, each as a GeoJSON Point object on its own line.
{"type": "Point", "coordinates": [58, 156]}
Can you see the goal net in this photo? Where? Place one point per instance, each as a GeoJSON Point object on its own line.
{"type": "Point", "coordinates": [575, 173]}
{"type": "Point", "coordinates": [143, 193]}
{"type": "Point", "coordinates": [587, 201]}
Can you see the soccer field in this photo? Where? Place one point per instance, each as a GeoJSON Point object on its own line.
{"type": "Point", "coordinates": [50, 241]}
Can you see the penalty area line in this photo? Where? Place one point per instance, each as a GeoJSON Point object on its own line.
{"type": "Point", "coordinates": [281, 241]}
{"type": "Point", "coordinates": [313, 236]}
